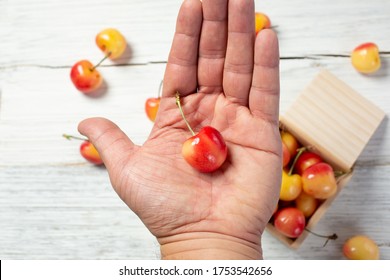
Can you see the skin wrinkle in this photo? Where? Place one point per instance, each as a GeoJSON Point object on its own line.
{"type": "Point", "coordinates": [266, 65]}
{"type": "Point", "coordinates": [174, 59]}
{"type": "Point", "coordinates": [195, 116]}
{"type": "Point", "coordinates": [212, 56]}
{"type": "Point", "coordinates": [212, 45]}
{"type": "Point", "coordinates": [206, 249]}
{"type": "Point", "coordinates": [96, 138]}
{"type": "Point", "coordinates": [268, 117]}
{"type": "Point", "coordinates": [210, 89]}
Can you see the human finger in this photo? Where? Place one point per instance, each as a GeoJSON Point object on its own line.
{"type": "Point", "coordinates": [238, 67]}
{"type": "Point", "coordinates": [111, 142]}
{"type": "Point", "coordinates": [212, 46]}
{"type": "Point", "coordinates": [181, 70]}
{"type": "Point", "coordinates": [265, 90]}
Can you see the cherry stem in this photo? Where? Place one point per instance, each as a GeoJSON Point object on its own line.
{"type": "Point", "coordinates": [300, 151]}
{"type": "Point", "coordinates": [160, 89]}
{"type": "Point", "coordinates": [339, 173]}
{"type": "Point", "coordinates": [178, 103]}
{"type": "Point", "coordinates": [328, 237]}
{"type": "Point", "coordinates": [70, 137]}
{"type": "Point", "coordinates": [101, 61]}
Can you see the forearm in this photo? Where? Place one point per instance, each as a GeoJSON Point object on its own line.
{"type": "Point", "coordinates": [208, 246]}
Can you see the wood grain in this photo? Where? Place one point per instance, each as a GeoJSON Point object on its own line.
{"type": "Point", "coordinates": [54, 205]}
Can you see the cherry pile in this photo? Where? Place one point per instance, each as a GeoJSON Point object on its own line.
{"type": "Point", "coordinates": [307, 180]}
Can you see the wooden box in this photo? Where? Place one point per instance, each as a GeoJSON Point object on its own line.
{"type": "Point", "coordinates": [336, 122]}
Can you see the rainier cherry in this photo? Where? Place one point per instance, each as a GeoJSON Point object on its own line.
{"type": "Point", "coordinates": [87, 150]}
{"type": "Point", "coordinates": [205, 151]}
{"type": "Point", "coordinates": [319, 181]}
{"type": "Point", "coordinates": [290, 222]}
{"type": "Point", "coordinates": [262, 21]}
{"type": "Point", "coordinates": [85, 76]}
{"type": "Point", "coordinates": [291, 142]}
{"type": "Point", "coordinates": [306, 203]}
{"type": "Point", "coordinates": [111, 42]}
{"type": "Point", "coordinates": [365, 58]}
{"type": "Point", "coordinates": [361, 247]}
{"type": "Point", "coordinates": [286, 155]}
{"type": "Point", "coordinates": [152, 104]}
{"type": "Point", "coordinates": [305, 160]}
{"type": "Point", "coordinates": [291, 186]}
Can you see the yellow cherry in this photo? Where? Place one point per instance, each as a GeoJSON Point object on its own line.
{"type": "Point", "coordinates": [111, 42]}
{"type": "Point", "coordinates": [262, 21]}
{"type": "Point", "coordinates": [291, 186]}
{"type": "Point", "coordinates": [365, 58]}
{"type": "Point", "coordinates": [361, 247]}
{"type": "Point", "coordinates": [306, 203]}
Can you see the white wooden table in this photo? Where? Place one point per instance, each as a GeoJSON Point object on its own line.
{"type": "Point", "coordinates": [54, 205]}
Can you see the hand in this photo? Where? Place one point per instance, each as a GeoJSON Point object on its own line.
{"type": "Point", "coordinates": [228, 78]}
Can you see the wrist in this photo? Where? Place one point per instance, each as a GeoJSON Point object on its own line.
{"type": "Point", "coordinates": [208, 246]}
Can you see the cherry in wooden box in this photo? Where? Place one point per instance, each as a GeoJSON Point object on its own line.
{"type": "Point", "coordinates": [336, 122]}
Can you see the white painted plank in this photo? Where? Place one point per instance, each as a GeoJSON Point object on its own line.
{"type": "Point", "coordinates": [67, 213]}
{"type": "Point", "coordinates": [59, 33]}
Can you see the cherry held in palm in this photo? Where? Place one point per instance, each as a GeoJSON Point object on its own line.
{"type": "Point", "coordinates": [205, 151]}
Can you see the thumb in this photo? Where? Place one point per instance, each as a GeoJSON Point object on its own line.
{"type": "Point", "coordinates": [111, 142]}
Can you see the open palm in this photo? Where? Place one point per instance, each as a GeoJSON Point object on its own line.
{"type": "Point", "coordinates": [228, 79]}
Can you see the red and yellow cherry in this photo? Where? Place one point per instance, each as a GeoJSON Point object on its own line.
{"type": "Point", "coordinates": [361, 247]}
{"type": "Point", "coordinates": [111, 42]}
{"type": "Point", "coordinates": [205, 151]}
{"type": "Point", "coordinates": [286, 155]}
{"type": "Point", "coordinates": [262, 21]}
{"type": "Point", "coordinates": [291, 186]}
{"type": "Point", "coordinates": [291, 142]}
{"type": "Point", "coordinates": [319, 181]}
{"type": "Point", "coordinates": [305, 160]}
{"type": "Point", "coordinates": [306, 203]}
{"type": "Point", "coordinates": [290, 222]}
{"type": "Point", "coordinates": [87, 150]}
{"type": "Point", "coordinates": [85, 77]}
{"type": "Point", "coordinates": [365, 58]}
{"type": "Point", "coordinates": [152, 104]}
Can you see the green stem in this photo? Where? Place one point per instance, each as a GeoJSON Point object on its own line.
{"type": "Point", "coordinates": [101, 61]}
{"type": "Point", "coordinates": [178, 103]}
{"type": "Point", "coordinates": [160, 89]}
{"type": "Point", "coordinates": [70, 137]}
{"type": "Point", "coordinates": [300, 151]}
{"type": "Point", "coordinates": [338, 173]}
